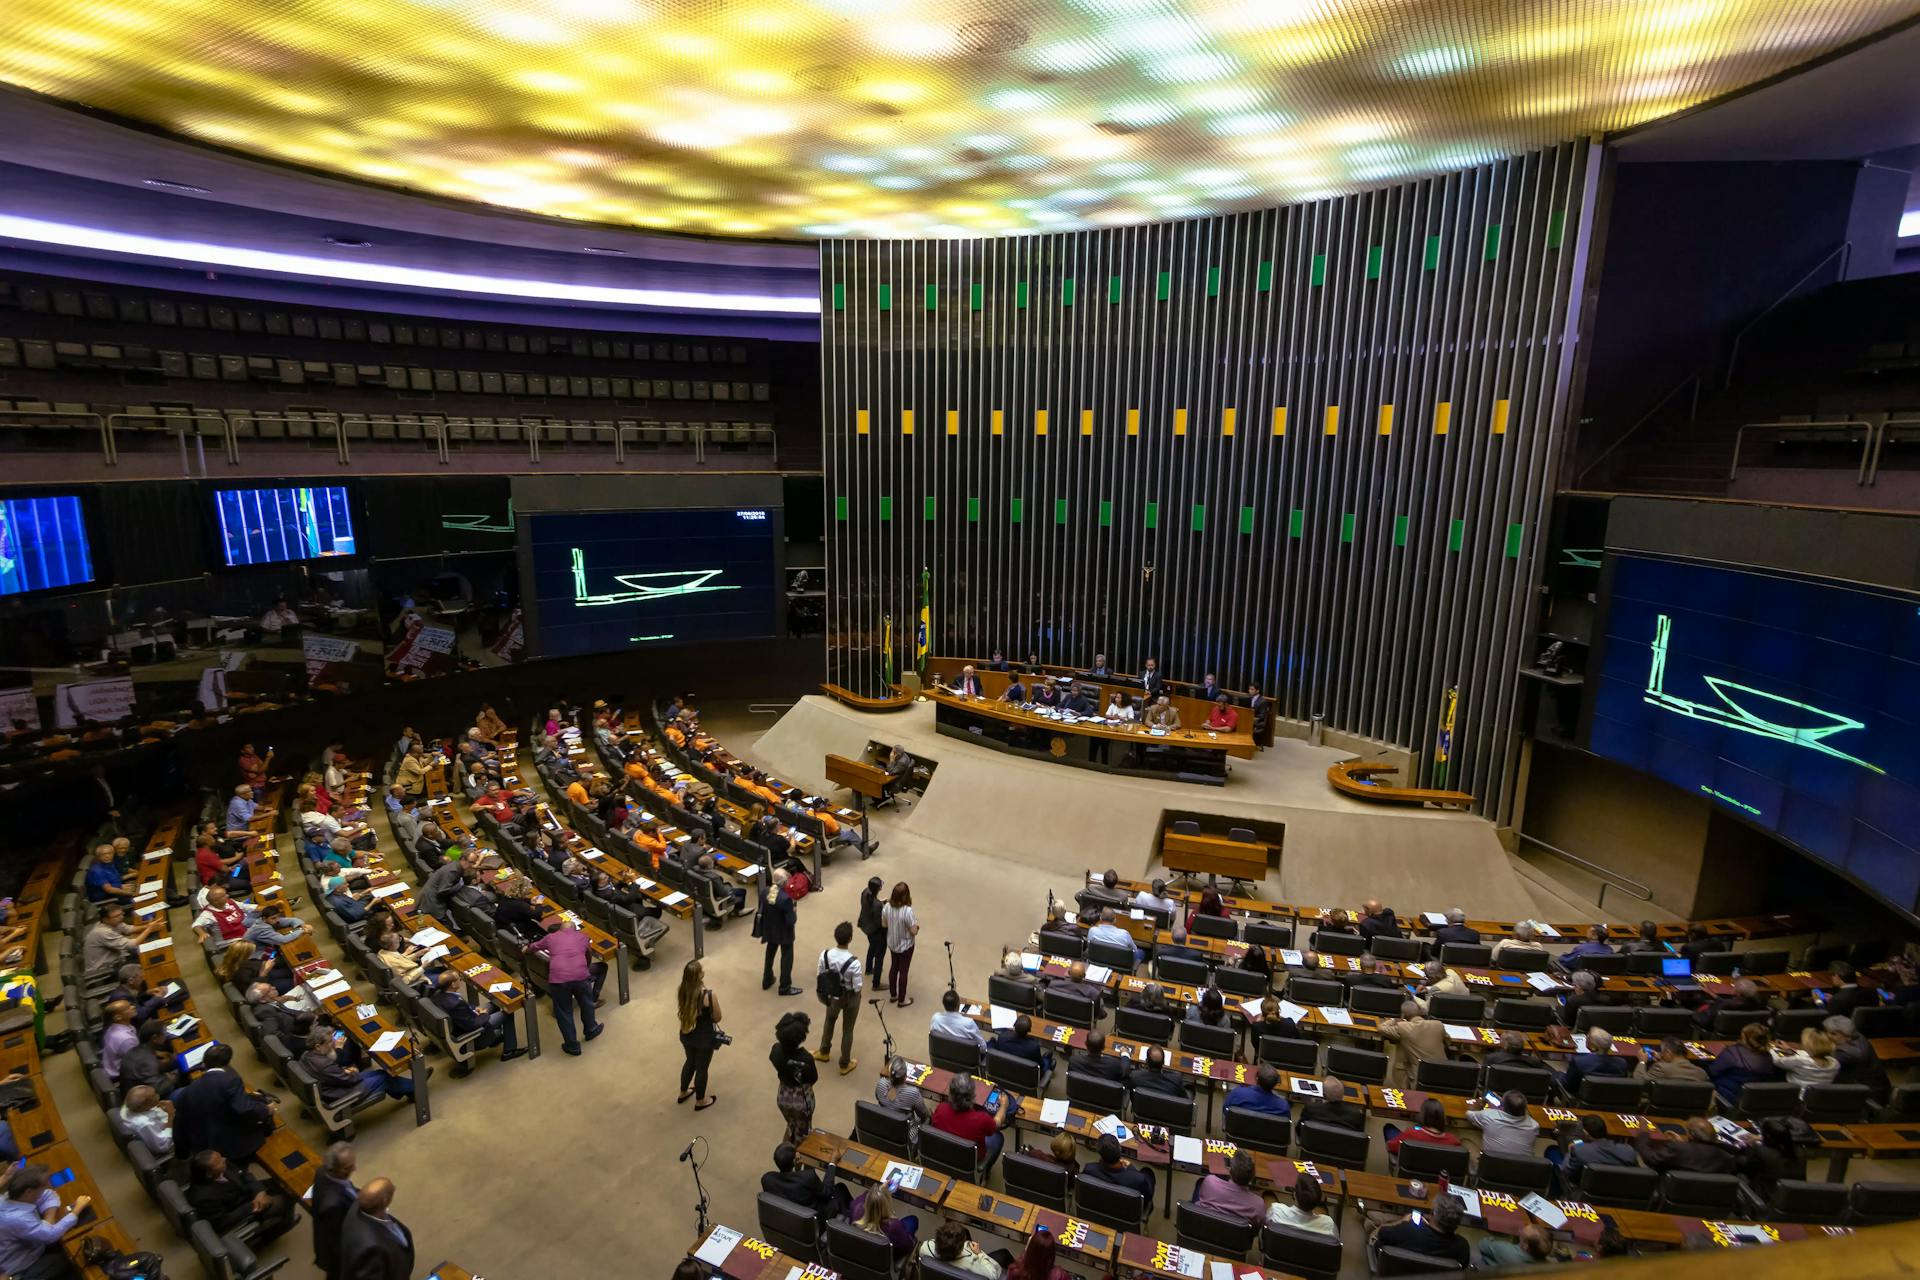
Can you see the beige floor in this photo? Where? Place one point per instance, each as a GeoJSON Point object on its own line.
{"type": "Point", "coordinates": [567, 1166]}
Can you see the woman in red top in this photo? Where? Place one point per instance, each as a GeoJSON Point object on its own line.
{"type": "Point", "coordinates": [1037, 1262]}
{"type": "Point", "coordinates": [1211, 904]}
{"type": "Point", "coordinates": [1430, 1129]}
{"type": "Point", "coordinates": [1223, 716]}
{"type": "Point", "coordinates": [253, 770]}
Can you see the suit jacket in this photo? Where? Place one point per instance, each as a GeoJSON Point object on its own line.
{"type": "Point", "coordinates": [331, 1201]}
{"type": "Point", "coordinates": [776, 920]}
{"type": "Point", "coordinates": [216, 1112]}
{"type": "Point", "coordinates": [1154, 683]}
{"type": "Point", "coordinates": [802, 1186]}
{"type": "Point", "coordinates": [227, 1203]}
{"type": "Point", "coordinates": [1582, 1065]}
{"type": "Point", "coordinates": [369, 1250]}
{"type": "Point", "coordinates": [967, 686]}
{"type": "Point", "coordinates": [461, 1019]}
{"type": "Point", "coordinates": [1419, 1040]}
{"type": "Point", "coordinates": [1455, 933]}
{"type": "Point", "coordinates": [1848, 999]}
{"type": "Point", "coordinates": [1208, 692]}
{"type": "Point", "coordinates": [1108, 1066]}
{"type": "Point", "coordinates": [1341, 1115]}
{"type": "Point", "coordinates": [1688, 1156]}
{"type": "Point", "coordinates": [1384, 925]}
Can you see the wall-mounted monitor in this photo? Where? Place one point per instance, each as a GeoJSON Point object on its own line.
{"type": "Point", "coordinates": [1792, 704]}
{"type": "Point", "coordinates": [43, 544]}
{"type": "Point", "coordinates": [270, 526]}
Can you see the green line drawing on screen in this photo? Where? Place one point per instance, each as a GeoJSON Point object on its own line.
{"type": "Point", "coordinates": [477, 523]}
{"type": "Point", "coordinates": [692, 582]}
{"type": "Point", "coordinates": [1727, 799]}
{"type": "Point", "coordinates": [664, 635]}
{"type": "Point", "coordinates": [1580, 557]}
{"type": "Point", "coordinates": [1734, 716]}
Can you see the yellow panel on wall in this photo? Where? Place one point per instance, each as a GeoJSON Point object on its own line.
{"type": "Point", "coordinates": [1332, 419]}
{"type": "Point", "coordinates": [1386, 419]}
{"type": "Point", "coordinates": [906, 422]}
{"type": "Point", "coordinates": [999, 422]}
{"type": "Point", "coordinates": [1442, 417]}
{"type": "Point", "coordinates": [1039, 422]}
{"type": "Point", "coordinates": [1133, 422]}
{"type": "Point", "coordinates": [953, 422]}
{"type": "Point", "coordinates": [1499, 417]}
{"type": "Point", "coordinates": [1179, 422]}
{"type": "Point", "coordinates": [1086, 422]}
{"type": "Point", "coordinates": [861, 424]}
{"type": "Point", "coordinates": [1279, 419]}
{"type": "Point", "coordinates": [1227, 417]}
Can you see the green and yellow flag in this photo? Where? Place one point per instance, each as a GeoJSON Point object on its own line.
{"type": "Point", "coordinates": [922, 634]}
{"type": "Point", "coordinates": [1443, 742]}
{"type": "Point", "coordinates": [886, 648]}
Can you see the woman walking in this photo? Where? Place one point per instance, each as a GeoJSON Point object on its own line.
{"type": "Point", "coordinates": [902, 928]}
{"type": "Point", "coordinates": [699, 1016]}
{"type": "Point", "coordinates": [794, 1069]}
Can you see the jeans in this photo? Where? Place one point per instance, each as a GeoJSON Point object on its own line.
{"type": "Point", "coordinates": [785, 949]}
{"type": "Point", "coordinates": [995, 1142]}
{"type": "Point", "coordinates": [897, 976]}
{"type": "Point", "coordinates": [847, 1010]}
{"type": "Point", "coordinates": [876, 953]}
{"type": "Point", "coordinates": [566, 995]}
{"type": "Point", "coordinates": [373, 1080]}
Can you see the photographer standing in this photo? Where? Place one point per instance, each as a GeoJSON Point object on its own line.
{"type": "Point", "coordinates": [699, 1034]}
{"type": "Point", "coordinates": [837, 982]}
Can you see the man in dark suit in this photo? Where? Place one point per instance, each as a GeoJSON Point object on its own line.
{"type": "Point", "coordinates": [1333, 1108]}
{"type": "Point", "coordinates": [803, 1186]}
{"type": "Point", "coordinates": [968, 685]}
{"type": "Point", "coordinates": [1019, 1041]}
{"type": "Point", "coordinates": [333, 1195]}
{"type": "Point", "coordinates": [217, 1113]}
{"type": "Point", "coordinates": [1456, 930]}
{"type": "Point", "coordinates": [463, 1020]}
{"type": "Point", "coordinates": [229, 1197]}
{"type": "Point", "coordinates": [1745, 999]}
{"type": "Point", "coordinates": [1154, 1078]}
{"type": "Point", "coordinates": [1100, 670]}
{"type": "Point", "coordinates": [777, 917]}
{"type": "Point", "coordinates": [1096, 1062]}
{"type": "Point", "coordinates": [1151, 680]}
{"type": "Point", "coordinates": [1863, 992]}
{"type": "Point", "coordinates": [375, 1245]}
{"type": "Point", "coordinates": [1699, 1152]}
{"type": "Point", "coordinates": [1261, 707]}
{"type": "Point", "coordinates": [1210, 688]}
{"type": "Point", "coordinates": [998, 662]}
{"type": "Point", "coordinates": [1377, 921]}
{"type": "Point", "coordinates": [1599, 1060]}
{"type": "Point", "coordinates": [1114, 1168]}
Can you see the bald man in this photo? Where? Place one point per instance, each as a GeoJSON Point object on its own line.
{"type": "Point", "coordinates": [375, 1245]}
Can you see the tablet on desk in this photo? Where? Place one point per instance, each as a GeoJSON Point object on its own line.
{"type": "Point", "coordinates": [1676, 967]}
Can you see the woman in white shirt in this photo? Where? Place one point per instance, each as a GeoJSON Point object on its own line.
{"type": "Point", "coordinates": [1121, 709]}
{"type": "Point", "coordinates": [1308, 1212]}
{"type": "Point", "coordinates": [953, 1246]}
{"type": "Point", "coordinates": [901, 928]}
{"type": "Point", "coordinates": [1812, 1063]}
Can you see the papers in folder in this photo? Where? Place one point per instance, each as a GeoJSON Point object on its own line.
{"type": "Point", "coordinates": [1099, 974]}
{"type": "Point", "coordinates": [331, 990]}
{"type": "Point", "coordinates": [1053, 1112]}
{"type": "Point", "coordinates": [1467, 1034]}
{"type": "Point", "coordinates": [714, 1249]}
{"type": "Point", "coordinates": [1435, 918]}
{"type": "Point", "coordinates": [388, 1041]}
{"type": "Point", "coordinates": [1542, 982]}
{"type": "Point", "coordinates": [1000, 1019]}
{"type": "Point", "coordinates": [429, 936]}
{"type": "Point", "coordinates": [1338, 1017]}
{"type": "Point", "coordinates": [1186, 1150]}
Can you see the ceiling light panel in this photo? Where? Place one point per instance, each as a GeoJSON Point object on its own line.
{"type": "Point", "coordinates": [755, 117]}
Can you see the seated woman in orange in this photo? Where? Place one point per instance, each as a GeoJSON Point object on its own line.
{"type": "Point", "coordinates": [577, 792]}
{"type": "Point", "coordinates": [1224, 716]}
{"type": "Point", "coordinates": [646, 838]}
{"type": "Point", "coordinates": [675, 736]}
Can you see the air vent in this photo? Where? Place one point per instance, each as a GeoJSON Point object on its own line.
{"type": "Point", "coordinates": [165, 185]}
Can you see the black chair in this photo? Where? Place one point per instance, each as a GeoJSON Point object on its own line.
{"type": "Point", "coordinates": [1758, 1100]}
{"type": "Point", "coordinates": [1471, 955]}
{"type": "Point", "coordinates": [1468, 1011]}
{"type": "Point", "coordinates": [1298, 1055]}
{"type": "Point", "coordinates": [1526, 959]}
{"type": "Point", "coordinates": [857, 1254]}
{"type": "Point", "coordinates": [1120, 1208]}
{"type": "Point", "coordinates": [1384, 1002]}
{"type": "Point", "coordinates": [1041, 1181]}
{"type": "Point", "coordinates": [1069, 1007]}
{"type": "Point", "coordinates": [1338, 944]}
{"type": "Point", "coordinates": [1341, 1148]}
{"type": "Point", "coordinates": [1516, 1175]}
{"type": "Point", "coordinates": [1447, 1077]}
{"type": "Point", "coordinates": [1363, 1066]}
{"type": "Point", "coordinates": [1679, 1097]}
{"type": "Point", "coordinates": [1022, 1075]}
{"type": "Point", "coordinates": [1143, 1024]}
{"type": "Point", "coordinates": [789, 1227]}
{"type": "Point", "coordinates": [1727, 1022]}
{"type": "Point", "coordinates": [951, 1053]}
{"type": "Point", "coordinates": [1805, 1202]}
{"type": "Point", "coordinates": [1653, 1023]}
{"type": "Point", "coordinates": [1301, 1253]}
{"type": "Point", "coordinates": [1258, 1130]}
{"type": "Point", "coordinates": [1408, 950]}
{"type": "Point", "coordinates": [1180, 969]}
{"type": "Point", "coordinates": [1322, 991]}
{"type": "Point", "coordinates": [1181, 1115]}
{"type": "Point", "coordinates": [1524, 1015]}
{"type": "Point", "coordinates": [1645, 963]}
{"type": "Point", "coordinates": [889, 1130]}
{"type": "Point", "coordinates": [1239, 982]}
{"type": "Point", "coordinates": [1198, 1227]}
{"type": "Point", "coordinates": [1835, 1103]}
{"type": "Point", "coordinates": [1012, 993]}
{"type": "Point", "coordinates": [1762, 963]}
{"type": "Point", "coordinates": [1096, 1093]}
{"type": "Point", "coordinates": [1873, 1203]}
{"type": "Point", "coordinates": [1215, 927]}
{"type": "Point", "coordinates": [1620, 1186]}
{"type": "Point", "coordinates": [944, 1270]}
{"type": "Point", "coordinates": [1062, 942]}
{"type": "Point", "coordinates": [944, 1153]}
{"type": "Point", "coordinates": [1789, 1023]}
{"type": "Point", "coordinates": [1896, 1020]}
{"type": "Point", "coordinates": [1415, 1159]}
{"type": "Point", "coordinates": [1708, 1195]}
{"type": "Point", "coordinates": [1536, 1084]}
{"type": "Point", "coordinates": [1600, 966]}
{"type": "Point", "coordinates": [1618, 1020]}
{"type": "Point", "coordinates": [1119, 958]}
{"type": "Point", "coordinates": [1904, 1104]}
{"type": "Point", "coordinates": [1405, 1262]}
{"type": "Point", "coordinates": [1611, 1093]}
{"type": "Point", "coordinates": [1265, 933]}
{"type": "Point", "coordinates": [1221, 1041]}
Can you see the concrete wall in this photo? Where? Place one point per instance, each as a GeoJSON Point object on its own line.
{"type": "Point", "coordinates": [1623, 820]}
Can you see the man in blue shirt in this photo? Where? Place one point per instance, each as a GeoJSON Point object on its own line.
{"type": "Point", "coordinates": [241, 810]}
{"type": "Point", "coordinates": [26, 1233]}
{"type": "Point", "coordinates": [1262, 1095]}
{"type": "Point", "coordinates": [264, 932]}
{"type": "Point", "coordinates": [1113, 935]}
{"type": "Point", "coordinates": [1595, 945]}
{"type": "Point", "coordinates": [104, 882]}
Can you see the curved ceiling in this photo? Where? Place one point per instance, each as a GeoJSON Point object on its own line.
{"type": "Point", "coordinates": [902, 117]}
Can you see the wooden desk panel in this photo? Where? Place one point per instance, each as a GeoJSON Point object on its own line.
{"type": "Point", "coordinates": [1214, 855]}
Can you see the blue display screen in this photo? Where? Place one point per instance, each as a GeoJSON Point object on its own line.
{"type": "Point", "coordinates": [616, 580]}
{"type": "Point", "coordinates": [1793, 704]}
{"type": "Point", "coordinates": [43, 544]}
{"type": "Point", "coordinates": [263, 526]}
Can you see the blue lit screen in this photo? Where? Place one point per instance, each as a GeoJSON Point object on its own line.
{"type": "Point", "coordinates": [263, 526]}
{"type": "Point", "coordinates": [43, 544]}
{"type": "Point", "coordinates": [1793, 704]}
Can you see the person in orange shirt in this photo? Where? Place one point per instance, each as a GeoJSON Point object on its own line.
{"type": "Point", "coordinates": [646, 838]}
{"type": "Point", "coordinates": [675, 736]}
{"type": "Point", "coordinates": [1224, 716]}
{"type": "Point", "coordinates": [577, 792]}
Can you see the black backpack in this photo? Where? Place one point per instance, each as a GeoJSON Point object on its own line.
{"type": "Point", "coordinates": [831, 984]}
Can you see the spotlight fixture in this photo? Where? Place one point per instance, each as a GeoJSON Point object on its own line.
{"type": "Point", "coordinates": [164, 184]}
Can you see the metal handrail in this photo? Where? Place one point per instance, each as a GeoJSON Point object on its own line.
{"type": "Point", "coordinates": [1692, 379]}
{"type": "Point", "coordinates": [1880, 443]}
{"type": "Point", "coordinates": [1867, 450]}
{"type": "Point", "coordinates": [107, 450]}
{"type": "Point", "coordinates": [1609, 879]}
{"type": "Point", "coordinates": [1843, 250]}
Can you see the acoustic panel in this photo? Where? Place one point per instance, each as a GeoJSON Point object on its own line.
{"type": "Point", "coordinates": [1307, 447]}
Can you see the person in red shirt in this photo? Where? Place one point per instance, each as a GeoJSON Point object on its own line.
{"type": "Point", "coordinates": [222, 921]}
{"type": "Point", "coordinates": [960, 1117]}
{"type": "Point", "coordinates": [1037, 1261]}
{"type": "Point", "coordinates": [1210, 904]}
{"type": "Point", "coordinates": [570, 983]}
{"type": "Point", "coordinates": [253, 770]}
{"type": "Point", "coordinates": [211, 866]}
{"type": "Point", "coordinates": [1224, 717]}
{"type": "Point", "coordinates": [1430, 1129]}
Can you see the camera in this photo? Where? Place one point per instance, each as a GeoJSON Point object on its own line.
{"type": "Point", "coordinates": [721, 1039]}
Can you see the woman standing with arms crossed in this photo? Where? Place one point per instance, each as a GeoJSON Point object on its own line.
{"type": "Point", "coordinates": [876, 931]}
{"type": "Point", "coordinates": [902, 928]}
{"type": "Point", "coordinates": [794, 1069]}
{"type": "Point", "coordinates": [699, 1016]}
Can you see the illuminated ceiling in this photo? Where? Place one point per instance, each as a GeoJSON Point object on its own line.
{"type": "Point", "coordinates": [810, 118]}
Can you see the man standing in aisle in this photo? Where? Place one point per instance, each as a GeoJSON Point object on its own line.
{"type": "Point", "coordinates": [777, 919]}
{"type": "Point", "coordinates": [569, 982]}
{"type": "Point", "coordinates": [837, 981]}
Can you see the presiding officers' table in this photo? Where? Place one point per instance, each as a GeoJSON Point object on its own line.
{"type": "Point", "coordinates": [1194, 754]}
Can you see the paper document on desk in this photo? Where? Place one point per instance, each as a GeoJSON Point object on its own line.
{"type": "Point", "coordinates": [1112, 1124]}
{"type": "Point", "coordinates": [366, 1012]}
{"type": "Point", "coordinates": [152, 886]}
{"type": "Point", "coordinates": [1467, 1034]}
{"type": "Point", "coordinates": [329, 992]}
{"type": "Point", "coordinates": [1031, 961]}
{"type": "Point", "coordinates": [1292, 959]}
{"type": "Point", "coordinates": [1298, 1012]}
{"type": "Point", "coordinates": [1542, 982]}
{"type": "Point", "coordinates": [1221, 1271]}
{"type": "Point", "coordinates": [1306, 1087]}
{"type": "Point", "coordinates": [155, 945]}
{"type": "Point", "coordinates": [1338, 1017]}
{"type": "Point", "coordinates": [442, 800]}
{"type": "Point", "coordinates": [157, 854]}
{"type": "Point", "coordinates": [1435, 918]}
{"type": "Point", "coordinates": [428, 937]}
{"type": "Point", "coordinates": [643, 882]}
{"type": "Point", "coordinates": [748, 873]}
{"type": "Point", "coordinates": [714, 1249]}
{"type": "Point", "coordinates": [1053, 1112]}
{"type": "Point", "coordinates": [1580, 1042]}
{"type": "Point", "coordinates": [1138, 914]}
{"type": "Point", "coordinates": [1187, 1262]}
{"type": "Point", "coordinates": [1000, 1019]}
{"type": "Point", "coordinates": [500, 988]}
{"type": "Point", "coordinates": [431, 954]}
{"type": "Point", "coordinates": [1544, 1209]}
{"type": "Point", "coordinates": [1469, 1200]}
{"type": "Point", "coordinates": [388, 1041]}
{"type": "Point", "coordinates": [908, 1175]}
{"type": "Point", "coordinates": [182, 1024]}
{"type": "Point", "coordinates": [1099, 974]}
{"type": "Point", "coordinates": [673, 899]}
{"type": "Point", "coordinates": [1186, 1150]}
{"type": "Point", "coordinates": [388, 890]}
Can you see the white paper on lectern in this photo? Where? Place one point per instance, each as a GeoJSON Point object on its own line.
{"type": "Point", "coordinates": [714, 1250]}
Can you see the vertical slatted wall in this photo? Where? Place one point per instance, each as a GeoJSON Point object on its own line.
{"type": "Point", "coordinates": [1307, 446]}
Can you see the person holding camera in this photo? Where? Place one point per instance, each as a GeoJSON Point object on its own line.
{"type": "Point", "coordinates": [700, 1034]}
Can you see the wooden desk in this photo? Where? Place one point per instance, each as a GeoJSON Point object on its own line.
{"type": "Point", "coordinates": [1191, 755]}
{"type": "Point", "coordinates": [755, 1259]}
{"type": "Point", "coordinates": [1354, 778]}
{"type": "Point", "coordinates": [896, 701]}
{"type": "Point", "coordinates": [1214, 855]}
{"type": "Point", "coordinates": [856, 776]}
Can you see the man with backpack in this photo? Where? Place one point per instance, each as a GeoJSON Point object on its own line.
{"type": "Point", "coordinates": [837, 982]}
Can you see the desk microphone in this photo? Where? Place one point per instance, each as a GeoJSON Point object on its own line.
{"type": "Point", "coordinates": [688, 1153]}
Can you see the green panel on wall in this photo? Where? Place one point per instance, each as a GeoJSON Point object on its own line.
{"type": "Point", "coordinates": [1106, 515]}
{"type": "Point", "coordinates": [933, 297]}
{"type": "Point", "coordinates": [1432, 258]}
{"type": "Point", "coordinates": [1557, 229]}
{"type": "Point", "coordinates": [1347, 523]}
{"type": "Point", "coordinates": [1163, 287]}
{"type": "Point", "coordinates": [927, 507]}
{"type": "Point", "coordinates": [839, 297]}
{"type": "Point", "coordinates": [1246, 519]}
{"type": "Point", "coordinates": [1399, 531]}
{"type": "Point", "coordinates": [886, 297]}
{"type": "Point", "coordinates": [1317, 274]}
{"type": "Point", "coordinates": [1153, 515]}
{"type": "Point", "coordinates": [1066, 292]}
{"type": "Point", "coordinates": [1113, 288]}
{"type": "Point", "coordinates": [1016, 509]}
{"type": "Point", "coordinates": [1020, 293]}
{"type": "Point", "coordinates": [1199, 517]}
{"type": "Point", "coordinates": [886, 507]}
{"type": "Point", "coordinates": [1456, 535]}
{"type": "Point", "coordinates": [1493, 241]}
{"type": "Point", "coordinates": [1059, 510]}
{"type": "Point", "coordinates": [1515, 534]}
{"type": "Point", "coordinates": [1263, 279]}
{"type": "Point", "coordinates": [976, 295]}
{"type": "Point", "coordinates": [1296, 523]}
{"type": "Point", "coordinates": [840, 508]}
{"type": "Point", "coordinates": [1375, 257]}
{"type": "Point", "coordinates": [973, 510]}
{"type": "Point", "coordinates": [1213, 282]}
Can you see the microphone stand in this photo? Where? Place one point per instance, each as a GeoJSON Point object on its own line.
{"type": "Point", "coordinates": [953, 984]}
{"type": "Point", "coordinates": [886, 1036]}
{"type": "Point", "coordinates": [699, 1188]}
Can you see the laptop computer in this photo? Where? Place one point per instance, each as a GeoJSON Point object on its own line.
{"type": "Point", "coordinates": [1676, 967]}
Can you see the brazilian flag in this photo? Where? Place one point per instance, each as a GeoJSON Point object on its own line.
{"type": "Point", "coordinates": [924, 630]}
{"type": "Point", "coordinates": [886, 648]}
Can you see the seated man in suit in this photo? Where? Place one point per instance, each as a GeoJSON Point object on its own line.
{"type": "Point", "coordinates": [1594, 944]}
{"type": "Point", "coordinates": [145, 1000]}
{"type": "Point", "coordinates": [216, 1112]}
{"type": "Point", "coordinates": [1648, 940]}
{"type": "Point", "coordinates": [1456, 930]}
{"type": "Point", "coordinates": [1700, 1151]}
{"type": "Point", "coordinates": [1596, 1148]}
{"type": "Point", "coordinates": [1019, 1041]}
{"type": "Point", "coordinates": [1513, 1053]}
{"type": "Point", "coordinates": [1585, 995]}
{"type": "Point", "coordinates": [1435, 1234]}
{"type": "Point", "coordinates": [1377, 921]}
{"type": "Point", "coordinates": [1076, 984]}
{"type": "Point", "coordinates": [1332, 1108]}
{"type": "Point", "coordinates": [1745, 999]}
{"type": "Point", "coordinates": [1263, 1095]}
{"type": "Point", "coordinates": [227, 1196]}
{"type": "Point", "coordinates": [463, 1019]}
{"type": "Point", "coordinates": [803, 1186]}
{"type": "Point", "coordinates": [1094, 1060]}
{"type": "Point", "coordinates": [1100, 670]}
{"type": "Point", "coordinates": [1163, 715]}
{"type": "Point", "coordinates": [1153, 1077]}
{"type": "Point", "coordinates": [1112, 1167]}
{"type": "Point", "coordinates": [1104, 892]}
{"type": "Point", "coordinates": [1598, 1060]}
{"type": "Point", "coordinates": [150, 1062]}
{"type": "Point", "coordinates": [374, 1245]}
{"type": "Point", "coordinates": [998, 662]}
{"type": "Point", "coordinates": [968, 685]}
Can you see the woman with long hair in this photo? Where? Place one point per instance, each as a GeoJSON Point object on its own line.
{"type": "Point", "coordinates": [699, 1011]}
{"type": "Point", "coordinates": [874, 1212]}
{"type": "Point", "coordinates": [238, 965]}
{"type": "Point", "coordinates": [1746, 1061]}
{"type": "Point", "coordinates": [1210, 904]}
{"type": "Point", "coordinates": [1036, 1263]}
{"type": "Point", "coordinates": [795, 1072]}
{"type": "Point", "coordinates": [1812, 1063]}
{"type": "Point", "coordinates": [902, 928]}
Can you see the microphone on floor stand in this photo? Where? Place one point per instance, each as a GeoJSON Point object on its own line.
{"type": "Point", "coordinates": [886, 1036]}
{"type": "Point", "coordinates": [687, 1154]}
{"type": "Point", "coordinates": [952, 983]}
{"type": "Point", "coordinates": [701, 1208]}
